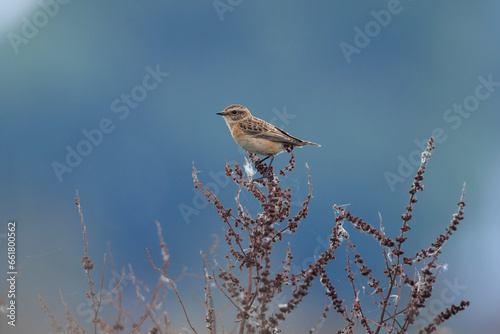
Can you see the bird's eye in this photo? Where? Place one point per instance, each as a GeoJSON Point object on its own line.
{"type": "Point", "coordinates": [235, 112]}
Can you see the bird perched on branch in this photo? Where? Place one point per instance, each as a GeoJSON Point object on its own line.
{"type": "Point", "coordinates": [257, 136]}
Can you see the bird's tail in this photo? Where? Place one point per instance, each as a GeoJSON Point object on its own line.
{"type": "Point", "coordinates": [304, 142]}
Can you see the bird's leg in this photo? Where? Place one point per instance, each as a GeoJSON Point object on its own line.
{"type": "Point", "coordinates": [268, 167]}
{"type": "Point", "coordinates": [261, 161]}
{"type": "Point", "coordinates": [266, 172]}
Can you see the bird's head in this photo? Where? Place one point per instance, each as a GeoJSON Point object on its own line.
{"type": "Point", "coordinates": [235, 113]}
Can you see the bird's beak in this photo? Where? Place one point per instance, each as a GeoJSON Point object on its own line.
{"type": "Point", "coordinates": [220, 113]}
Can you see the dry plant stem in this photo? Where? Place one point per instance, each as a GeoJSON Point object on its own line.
{"type": "Point", "coordinates": [396, 304]}
{"type": "Point", "coordinates": [217, 283]}
{"type": "Point", "coordinates": [99, 301]}
{"type": "Point", "coordinates": [163, 247]}
{"type": "Point", "coordinates": [318, 325]}
{"type": "Point", "coordinates": [174, 288]}
{"type": "Point", "coordinates": [357, 310]}
{"type": "Point", "coordinates": [46, 310]}
{"type": "Point", "coordinates": [443, 316]}
{"type": "Point", "coordinates": [265, 232]}
{"type": "Point", "coordinates": [262, 235]}
{"type": "Point", "coordinates": [149, 308]}
{"type": "Point", "coordinates": [145, 316]}
{"type": "Point", "coordinates": [117, 284]}
{"type": "Point", "coordinates": [222, 326]}
{"type": "Point", "coordinates": [407, 216]}
{"type": "Point", "coordinates": [247, 298]}
{"type": "Point", "coordinates": [74, 326]}
{"type": "Point", "coordinates": [392, 251]}
{"type": "Point", "coordinates": [211, 197]}
{"type": "Point", "coordinates": [87, 265]}
{"type": "Point", "coordinates": [210, 319]}
{"type": "Point", "coordinates": [100, 325]}
{"type": "Point", "coordinates": [427, 277]}
{"type": "Point", "coordinates": [119, 305]}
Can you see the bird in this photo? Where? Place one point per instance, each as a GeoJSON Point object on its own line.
{"type": "Point", "coordinates": [258, 136]}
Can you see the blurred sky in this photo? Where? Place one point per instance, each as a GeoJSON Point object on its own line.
{"type": "Point", "coordinates": [67, 68]}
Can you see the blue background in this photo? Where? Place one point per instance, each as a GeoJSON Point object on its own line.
{"type": "Point", "coordinates": [284, 61]}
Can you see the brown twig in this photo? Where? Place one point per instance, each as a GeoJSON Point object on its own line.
{"type": "Point", "coordinates": [173, 287]}
{"type": "Point", "coordinates": [217, 283]}
{"type": "Point", "coordinates": [88, 265]}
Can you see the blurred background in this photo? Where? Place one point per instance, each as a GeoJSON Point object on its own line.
{"type": "Point", "coordinates": [118, 99]}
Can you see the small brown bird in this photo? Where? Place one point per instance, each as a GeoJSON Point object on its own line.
{"type": "Point", "coordinates": [258, 136]}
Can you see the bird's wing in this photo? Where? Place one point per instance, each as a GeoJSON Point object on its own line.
{"type": "Point", "coordinates": [280, 136]}
{"type": "Point", "coordinates": [253, 127]}
{"type": "Point", "coordinates": [260, 129]}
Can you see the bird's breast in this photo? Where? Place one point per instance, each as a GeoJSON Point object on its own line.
{"type": "Point", "coordinates": [259, 146]}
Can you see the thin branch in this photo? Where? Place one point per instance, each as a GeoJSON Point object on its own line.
{"type": "Point", "coordinates": [217, 283]}
{"type": "Point", "coordinates": [175, 290]}
{"type": "Point", "coordinates": [99, 301]}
